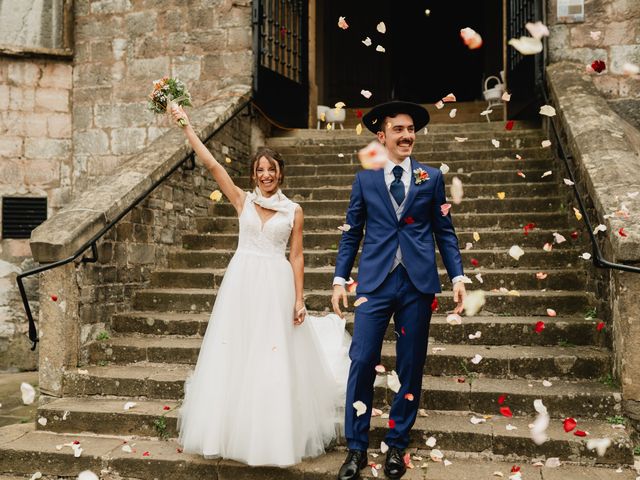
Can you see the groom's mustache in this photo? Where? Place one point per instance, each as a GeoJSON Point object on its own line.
{"type": "Point", "coordinates": [405, 142]}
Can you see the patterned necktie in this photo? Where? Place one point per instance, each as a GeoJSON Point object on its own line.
{"type": "Point", "coordinates": [397, 187]}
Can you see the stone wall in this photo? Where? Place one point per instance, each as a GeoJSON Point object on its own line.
{"type": "Point", "coordinates": [35, 161]}
{"type": "Point", "coordinates": [619, 43]}
{"type": "Point", "coordinates": [121, 46]}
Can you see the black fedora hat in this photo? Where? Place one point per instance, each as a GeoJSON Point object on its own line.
{"type": "Point", "coordinates": [374, 118]}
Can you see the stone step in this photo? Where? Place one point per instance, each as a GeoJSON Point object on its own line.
{"type": "Point", "coordinates": [575, 398]}
{"type": "Point", "coordinates": [357, 141]}
{"type": "Point", "coordinates": [329, 239]}
{"type": "Point", "coordinates": [507, 148]}
{"type": "Point", "coordinates": [481, 127]}
{"type": "Point", "coordinates": [487, 258]}
{"type": "Point", "coordinates": [522, 302]}
{"type": "Point", "coordinates": [481, 177]}
{"type": "Point", "coordinates": [338, 163]}
{"type": "Point", "coordinates": [487, 205]}
{"type": "Point", "coordinates": [322, 277]}
{"type": "Point", "coordinates": [499, 361]}
{"type": "Point", "coordinates": [448, 151]}
{"type": "Point", "coordinates": [496, 330]}
{"type": "Point", "coordinates": [582, 400]}
{"type": "Point", "coordinates": [471, 191]}
{"type": "Point", "coordinates": [26, 450]}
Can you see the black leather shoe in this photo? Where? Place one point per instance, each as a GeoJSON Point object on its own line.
{"type": "Point", "coordinates": [350, 469]}
{"type": "Point", "coordinates": [394, 466]}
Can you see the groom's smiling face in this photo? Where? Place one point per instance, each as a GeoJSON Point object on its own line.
{"type": "Point", "coordinates": [398, 136]}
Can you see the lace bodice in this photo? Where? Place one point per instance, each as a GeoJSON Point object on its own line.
{"type": "Point", "coordinates": [269, 238]}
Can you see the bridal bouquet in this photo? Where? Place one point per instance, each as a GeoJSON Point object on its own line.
{"type": "Point", "coordinates": [166, 91]}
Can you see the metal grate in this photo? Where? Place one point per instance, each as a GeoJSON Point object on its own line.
{"type": "Point", "coordinates": [20, 215]}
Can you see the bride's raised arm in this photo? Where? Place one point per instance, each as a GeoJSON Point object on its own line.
{"type": "Point", "coordinates": [234, 193]}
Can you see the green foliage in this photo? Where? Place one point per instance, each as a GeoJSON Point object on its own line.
{"type": "Point", "coordinates": [616, 420]}
{"type": "Point", "coordinates": [103, 335]}
{"type": "Point", "coordinates": [467, 373]}
{"type": "Point", "coordinates": [565, 343]}
{"type": "Point", "coordinates": [636, 450]}
{"type": "Point", "coordinates": [160, 426]}
{"type": "Point", "coordinates": [610, 381]}
{"type": "Point", "coordinates": [590, 313]}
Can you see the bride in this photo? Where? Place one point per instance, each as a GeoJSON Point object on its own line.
{"type": "Point", "coordinates": [268, 387]}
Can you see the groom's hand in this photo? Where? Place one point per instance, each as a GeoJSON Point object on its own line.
{"type": "Point", "coordinates": [339, 292]}
{"type": "Point", "coordinates": [459, 293]}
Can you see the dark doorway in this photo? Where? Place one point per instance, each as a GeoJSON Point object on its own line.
{"type": "Point", "coordinates": [425, 58]}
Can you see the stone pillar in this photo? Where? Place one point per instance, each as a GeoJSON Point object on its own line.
{"type": "Point", "coordinates": [58, 327]}
{"type": "Point", "coordinates": [625, 292]}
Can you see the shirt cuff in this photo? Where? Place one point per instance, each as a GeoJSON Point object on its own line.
{"type": "Point", "coordinates": [339, 281]}
{"type": "Point", "coordinates": [459, 278]}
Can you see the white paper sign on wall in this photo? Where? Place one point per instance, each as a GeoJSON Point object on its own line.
{"type": "Point", "coordinates": [570, 11]}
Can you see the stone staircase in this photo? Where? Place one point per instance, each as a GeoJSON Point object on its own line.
{"type": "Point", "coordinates": [152, 348]}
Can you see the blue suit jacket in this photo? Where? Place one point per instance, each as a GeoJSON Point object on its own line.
{"type": "Point", "coordinates": [370, 206]}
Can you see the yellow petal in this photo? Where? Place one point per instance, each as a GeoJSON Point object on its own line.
{"type": "Point", "coordinates": [501, 195]}
{"type": "Point", "coordinates": [216, 195]}
{"type": "Point", "coordinates": [476, 236]}
{"type": "Point", "coordinates": [577, 213]}
{"type": "Point", "coordinates": [227, 159]}
{"type": "Point", "coordinates": [359, 129]}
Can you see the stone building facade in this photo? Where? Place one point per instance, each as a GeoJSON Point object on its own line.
{"type": "Point", "coordinates": [68, 120]}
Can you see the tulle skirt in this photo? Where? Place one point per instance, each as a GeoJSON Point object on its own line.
{"type": "Point", "coordinates": [264, 392]}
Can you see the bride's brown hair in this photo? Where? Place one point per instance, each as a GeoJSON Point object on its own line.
{"type": "Point", "coordinates": [274, 159]}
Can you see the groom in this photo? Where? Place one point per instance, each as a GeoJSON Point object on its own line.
{"type": "Point", "coordinates": [400, 206]}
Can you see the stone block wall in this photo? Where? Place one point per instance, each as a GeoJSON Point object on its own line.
{"type": "Point", "coordinates": [618, 43]}
{"type": "Point", "coordinates": [121, 46]}
{"type": "Point", "coordinates": [35, 161]}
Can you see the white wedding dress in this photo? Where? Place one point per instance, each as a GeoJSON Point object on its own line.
{"type": "Point", "coordinates": [264, 391]}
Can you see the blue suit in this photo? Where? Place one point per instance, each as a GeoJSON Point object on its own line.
{"type": "Point", "coordinates": [406, 292]}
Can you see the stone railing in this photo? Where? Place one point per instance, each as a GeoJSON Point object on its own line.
{"type": "Point", "coordinates": [606, 163]}
{"type": "Point", "coordinates": [87, 294]}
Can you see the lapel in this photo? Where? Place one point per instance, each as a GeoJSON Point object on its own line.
{"type": "Point", "coordinates": [413, 188]}
{"type": "Point", "coordinates": [381, 186]}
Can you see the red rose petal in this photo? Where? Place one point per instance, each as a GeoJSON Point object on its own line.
{"type": "Point", "coordinates": [407, 459]}
{"type": "Point", "coordinates": [506, 411]}
{"type": "Point", "coordinates": [402, 330]}
{"type": "Point", "coordinates": [409, 396]}
{"type": "Point", "coordinates": [598, 66]}
{"type": "Point", "coordinates": [621, 232]}
{"type": "Point", "coordinates": [409, 220]}
{"type": "Point", "coordinates": [574, 235]}
{"type": "Point", "coordinates": [600, 326]}
{"type": "Point", "coordinates": [434, 304]}
{"type": "Point", "coordinates": [76, 442]}
{"type": "Point", "coordinates": [461, 380]}
{"type": "Point", "coordinates": [166, 407]}
{"type": "Point", "coordinates": [179, 450]}
{"type": "Point", "coordinates": [54, 298]}
{"type": "Point", "coordinates": [501, 399]}
{"type": "Point", "coordinates": [392, 423]}
{"type": "Point", "coordinates": [474, 262]}
{"type": "Point", "coordinates": [539, 327]}
{"type": "Point", "coordinates": [359, 113]}
{"type": "Point", "coordinates": [146, 454]}
{"type": "Point", "coordinates": [509, 125]}
{"type": "Point", "coordinates": [569, 424]}
{"type": "Point", "coordinates": [580, 433]}
{"type": "Point", "coordinates": [528, 227]}
{"type": "Point", "coordinates": [515, 469]}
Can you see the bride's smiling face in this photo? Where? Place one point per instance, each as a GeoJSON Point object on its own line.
{"type": "Point", "coordinates": [267, 176]}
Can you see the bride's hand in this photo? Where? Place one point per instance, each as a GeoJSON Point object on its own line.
{"type": "Point", "coordinates": [300, 312]}
{"type": "Point", "coordinates": [178, 113]}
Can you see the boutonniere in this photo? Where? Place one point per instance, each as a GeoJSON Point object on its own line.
{"type": "Point", "coordinates": [419, 176]}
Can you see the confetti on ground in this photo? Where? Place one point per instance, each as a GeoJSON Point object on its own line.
{"type": "Point", "coordinates": [454, 319]}
{"type": "Point", "coordinates": [516, 252]}
{"type": "Point", "coordinates": [600, 445]}
{"type": "Point", "coordinates": [547, 110]}
{"type": "Point", "coordinates": [476, 359]}
{"type": "Point", "coordinates": [545, 143]}
{"type": "Point", "coordinates": [28, 393]}
{"type": "Point", "coordinates": [431, 442]}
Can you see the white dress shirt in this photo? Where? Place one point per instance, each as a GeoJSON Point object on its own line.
{"type": "Point", "coordinates": [405, 179]}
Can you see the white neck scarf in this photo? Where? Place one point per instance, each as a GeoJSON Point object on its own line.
{"type": "Point", "coordinates": [278, 201]}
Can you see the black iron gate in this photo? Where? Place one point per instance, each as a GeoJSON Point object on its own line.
{"type": "Point", "coordinates": [525, 73]}
{"type": "Point", "coordinates": [280, 46]}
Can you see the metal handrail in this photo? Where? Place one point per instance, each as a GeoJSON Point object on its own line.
{"type": "Point", "coordinates": [189, 160]}
{"type": "Point", "coordinates": [597, 257]}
